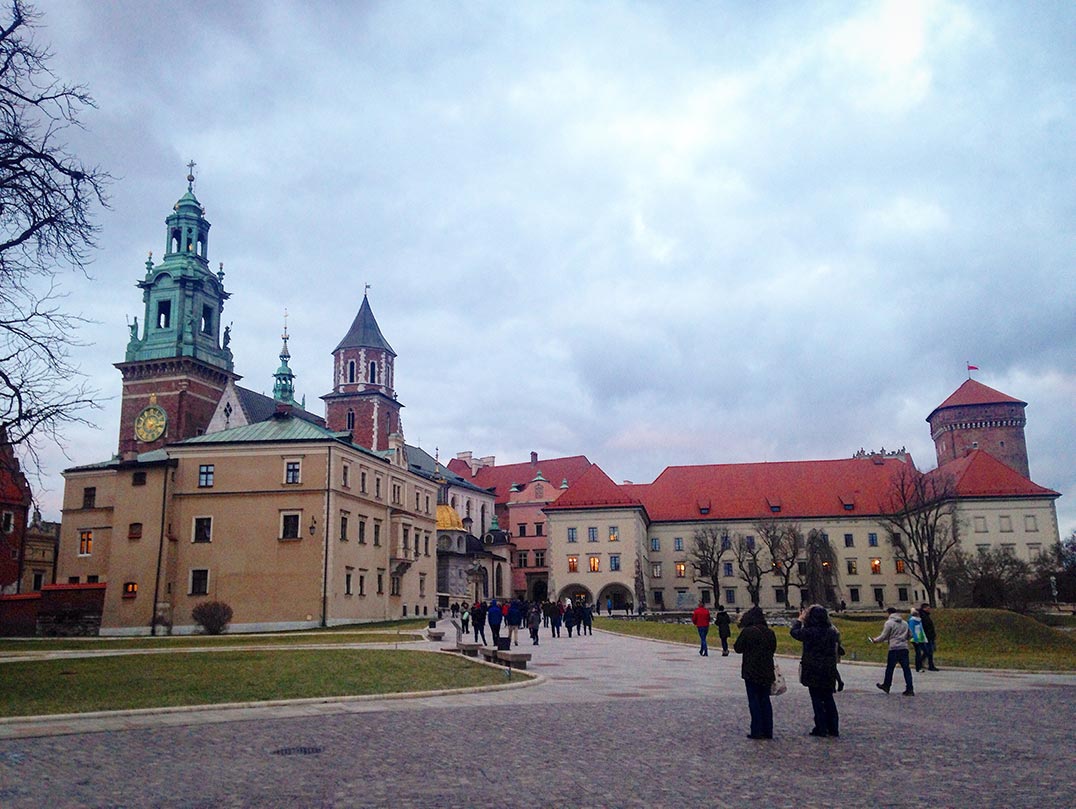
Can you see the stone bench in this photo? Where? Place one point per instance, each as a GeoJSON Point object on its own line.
{"type": "Point", "coordinates": [435, 634]}
{"type": "Point", "coordinates": [469, 649]}
{"type": "Point", "coordinates": [516, 660]}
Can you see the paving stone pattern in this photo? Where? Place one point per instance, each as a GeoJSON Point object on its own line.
{"type": "Point", "coordinates": [617, 722]}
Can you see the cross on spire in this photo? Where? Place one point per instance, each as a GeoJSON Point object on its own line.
{"type": "Point", "coordinates": [190, 175]}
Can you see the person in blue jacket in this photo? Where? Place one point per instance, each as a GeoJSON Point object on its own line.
{"type": "Point", "coordinates": [494, 616]}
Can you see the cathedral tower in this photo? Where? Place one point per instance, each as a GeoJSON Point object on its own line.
{"type": "Point", "coordinates": [175, 371]}
{"type": "Point", "coordinates": [979, 417]}
{"type": "Point", "coordinates": [362, 401]}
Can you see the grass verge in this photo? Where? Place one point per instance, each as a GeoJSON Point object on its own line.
{"type": "Point", "coordinates": [993, 639]}
{"type": "Point", "coordinates": [150, 681]}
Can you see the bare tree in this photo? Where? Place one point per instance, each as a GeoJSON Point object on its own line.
{"type": "Point", "coordinates": [822, 574]}
{"type": "Point", "coordinates": [708, 546]}
{"type": "Point", "coordinates": [749, 563]}
{"type": "Point", "coordinates": [920, 512]}
{"type": "Point", "coordinates": [46, 198]}
{"type": "Point", "coordinates": [993, 577]}
{"type": "Point", "coordinates": [784, 541]}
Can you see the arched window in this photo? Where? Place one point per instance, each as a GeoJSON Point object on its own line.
{"type": "Point", "coordinates": [351, 419]}
{"type": "Point", "coordinates": [351, 371]}
{"type": "Point", "coordinates": [373, 373]}
{"type": "Point", "coordinates": [468, 507]}
{"type": "Point", "coordinates": [482, 512]}
{"type": "Point", "coordinates": [497, 578]}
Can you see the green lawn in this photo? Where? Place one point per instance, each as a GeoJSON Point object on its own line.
{"type": "Point", "coordinates": [142, 681]}
{"type": "Point", "coordinates": [966, 638]}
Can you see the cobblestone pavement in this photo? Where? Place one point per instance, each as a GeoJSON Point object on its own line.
{"type": "Point", "coordinates": [616, 722]}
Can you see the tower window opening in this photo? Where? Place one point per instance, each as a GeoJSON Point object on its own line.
{"type": "Point", "coordinates": [207, 319]}
{"type": "Point", "coordinates": [201, 247]}
{"type": "Point", "coordinates": [175, 240]}
{"type": "Point", "coordinates": [190, 241]}
{"type": "Point", "coordinates": [373, 373]}
{"type": "Point", "coordinates": [351, 371]}
{"type": "Point", "coordinates": [164, 314]}
{"type": "Point", "coordinates": [351, 419]}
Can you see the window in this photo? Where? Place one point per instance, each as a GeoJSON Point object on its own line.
{"type": "Point", "coordinates": [1034, 550]}
{"type": "Point", "coordinates": [199, 582]}
{"type": "Point", "coordinates": [289, 524]}
{"type": "Point", "coordinates": [1005, 523]}
{"type": "Point", "coordinates": [749, 541]}
{"type": "Point", "coordinates": [397, 493]}
{"type": "Point", "coordinates": [681, 570]}
{"type": "Point", "coordinates": [655, 570]}
{"type": "Point", "coordinates": [853, 595]}
{"type": "Point", "coordinates": [1008, 548]}
{"type": "Point", "coordinates": [203, 529]}
{"type": "Point", "coordinates": [89, 497]}
{"type": "Point", "coordinates": [825, 538]}
{"type": "Point", "coordinates": [595, 564]}
{"type": "Point", "coordinates": [655, 544]}
{"type": "Point", "coordinates": [678, 543]}
{"type": "Point", "coordinates": [1031, 525]}
{"type": "Point", "coordinates": [130, 589]}
{"type": "Point", "coordinates": [523, 559]}
{"type": "Point", "coordinates": [372, 376]}
{"type": "Point", "coordinates": [377, 488]}
{"type": "Point", "coordinates": [72, 579]}
{"type": "Point", "coordinates": [426, 545]}
{"type": "Point", "coordinates": [394, 585]}
{"type": "Point", "coordinates": [727, 569]}
{"type": "Point", "coordinates": [351, 371]}
{"type": "Point", "coordinates": [362, 530]}
{"type": "Point", "coordinates": [980, 525]}
{"type": "Point", "coordinates": [85, 543]}
{"type": "Point", "coordinates": [704, 596]}
{"type": "Point", "coordinates": [138, 479]}
{"type": "Point", "coordinates": [801, 568]}
{"type": "Point", "coordinates": [421, 588]}
{"type": "Point", "coordinates": [539, 528]}
{"type": "Point", "coordinates": [659, 598]}
{"type": "Point", "coordinates": [614, 562]}
{"type": "Point", "coordinates": [876, 567]}
{"type": "Point", "coordinates": [899, 563]}
{"type": "Point", "coordinates": [343, 525]}
{"type": "Point", "coordinates": [347, 583]}
{"type": "Point", "coordinates": [418, 501]}
{"type": "Point", "coordinates": [592, 534]}
{"type": "Point", "coordinates": [427, 504]}
{"type": "Point", "coordinates": [7, 522]}
{"type": "Point", "coordinates": [377, 535]}
{"type": "Point", "coordinates": [779, 595]}
{"type": "Point", "coordinates": [730, 595]}
{"type": "Point", "coordinates": [726, 542]}
{"type": "Point", "coordinates": [879, 595]}
{"type": "Point", "coordinates": [614, 533]}
{"type": "Point", "coordinates": [345, 477]}
{"type": "Point", "coordinates": [571, 535]}
{"type": "Point", "coordinates": [521, 529]}
{"type": "Point", "coordinates": [205, 476]}
{"type": "Point", "coordinates": [849, 541]}
{"type": "Point", "coordinates": [380, 583]}
{"type": "Point", "coordinates": [291, 471]}
{"type": "Point", "coordinates": [164, 314]}
{"type": "Point", "coordinates": [362, 584]}
{"type": "Point", "coordinates": [902, 594]}
{"type": "Point", "coordinates": [539, 558]}
{"type": "Point", "coordinates": [362, 481]}
{"type": "Point", "coordinates": [872, 539]}
{"type": "Point", "coordinates": [573, 564]}
{"type": "Point", "coordinates": [852, 567]}
{"type": "Point", "coordinates": [39, 580]}
{"type": "Point", "coordinates": [134, 530]}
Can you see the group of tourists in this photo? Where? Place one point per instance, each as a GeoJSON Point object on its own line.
{"type": "Point", "coordinates": [822, 651]}
{"type": "Point", "coordinates": [513, 614]}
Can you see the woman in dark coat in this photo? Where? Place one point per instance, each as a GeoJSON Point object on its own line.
{"type": "Point", "coordinates": [757, 643]}
{"type": "Point", "coordinates": [818, 666]}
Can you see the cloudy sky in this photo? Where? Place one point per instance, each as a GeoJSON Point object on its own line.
{"type": "Point", "coordinates": [650, 233]}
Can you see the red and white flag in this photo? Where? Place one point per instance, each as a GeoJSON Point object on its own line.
{"type": "Point", "coordinates": [973, 367]}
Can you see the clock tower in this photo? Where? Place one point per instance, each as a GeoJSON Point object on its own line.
{"type": "Point", "coordinates": [178, 362]}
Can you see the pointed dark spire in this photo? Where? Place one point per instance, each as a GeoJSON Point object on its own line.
{"type": "Point", "coordinates": [364, 331]}
{"type": "Point", "coordinates": [284, 387]}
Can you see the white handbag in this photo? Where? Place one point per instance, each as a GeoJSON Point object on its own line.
{"type": "Point", "coordinates": [779, 685]}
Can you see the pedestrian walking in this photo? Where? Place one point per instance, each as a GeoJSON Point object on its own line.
{"type": "Point", "coordinates": [514, 619]}
{"type": "Point", "coordinates": [569, 619]}
{"type": "Point", "coordinates": [455, 610]}
{"type": "Point", "coordinates": [701, 619]}
{"type": "Point", "coordinates": [495, 618]}
{"type": "Point", "coordinates": [588, 619]}
{"type": "Point", "coordinates": [757, 643]}
{"type": "Point", "coordinates": [918, 639]}
{"type": "Point", "coordinates": [577, 619]}
{"type": "Point", "coordinates": [478, 621]}
{"type": "Point", "coordinates": [723, 624]}
{"type": "Point", "coordinates": [895, 631]}
{"type": "Point", "coordinates": [818, 666]}
{"type": "Point", "coordinates": [925, 611]}
{"type": "Point", "coordinates": [556, 618]}
{"type": "Point", "coordinates": [465, 617]}
{"type": "Point", "coordinates": [534, 623]}
{"type": "Point", "coordinates": [609, 606]}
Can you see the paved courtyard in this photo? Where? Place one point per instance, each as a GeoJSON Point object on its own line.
{"type": "Point", "coordinates": [615, 721]}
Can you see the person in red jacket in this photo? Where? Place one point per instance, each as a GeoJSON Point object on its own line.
{"type": "Point", "coordinates": [701, 618]}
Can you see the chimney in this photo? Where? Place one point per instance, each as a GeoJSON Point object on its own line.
{"type": "Point", "coordinates": [534, 458]}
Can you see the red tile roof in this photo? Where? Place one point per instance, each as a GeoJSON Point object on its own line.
{"type": "Point", "coordinates": [800, 489]}
{"type": "Point", "coordinates": [595, 489]}
{"type": "Point", "coordinates": [501, 478]}
{"type": "Point", "coordinates": [980, 474]}
{"type": "Point", "coordinates": [975, 393]}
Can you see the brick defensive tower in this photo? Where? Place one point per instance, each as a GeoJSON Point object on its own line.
{"type": "Point", "coordinates": [979, 417]}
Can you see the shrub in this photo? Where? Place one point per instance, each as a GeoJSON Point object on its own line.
{"type": "Point", "coordinates": [213, 616]}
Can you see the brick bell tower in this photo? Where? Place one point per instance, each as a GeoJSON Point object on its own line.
{"type": "Point", "coordinates": [363, 401]}
{"type": "Point", "coordinates": [979, 417]}
{"type": "Point", "coordinates": [175, 371]}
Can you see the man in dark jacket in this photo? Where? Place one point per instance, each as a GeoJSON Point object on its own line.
{"type": "Point", "coordinates": [928, 630]}
{"type": "Point", "coordinates": [722, 622]}
{"type": "Point", "coordinates": [494, 616]}
{"type": "Point", "coordinates": [478, 620]}
{"type": "Point", "coordinates": [818, 666]}
{"type": "Point", "coordinates": [757, 643]}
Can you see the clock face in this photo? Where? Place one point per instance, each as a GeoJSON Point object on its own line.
{"type": "Point", "coordinates": [150, 424]}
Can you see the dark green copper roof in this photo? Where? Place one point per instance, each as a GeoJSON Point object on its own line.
{"type": "Point", "coordinates": [364, 332]}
